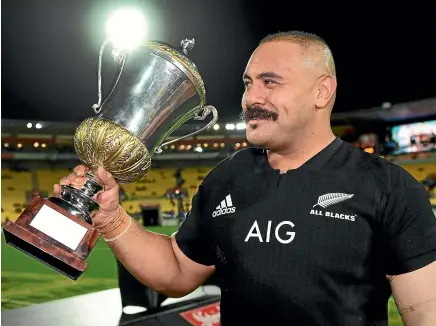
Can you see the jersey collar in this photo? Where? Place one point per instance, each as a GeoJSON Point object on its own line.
{"type": "Point", "coordinates": [261, 163]}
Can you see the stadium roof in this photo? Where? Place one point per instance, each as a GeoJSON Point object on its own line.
{"type": "Point", "coordinates": [50, 49]}
{"type": "Point", "coordinates": [387, 115]}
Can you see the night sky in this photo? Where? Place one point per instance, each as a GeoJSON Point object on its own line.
{"type": "Point", "coordinates": [384, 52]}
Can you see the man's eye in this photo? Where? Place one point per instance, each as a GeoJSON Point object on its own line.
{"type": "Point", "coordinates": [269, 81]}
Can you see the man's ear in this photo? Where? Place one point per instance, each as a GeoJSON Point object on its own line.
{"type": "Point", "coordinates": [326, 91]}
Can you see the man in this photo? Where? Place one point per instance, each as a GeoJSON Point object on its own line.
{"type": "Point", "coordinates": [303, 229]}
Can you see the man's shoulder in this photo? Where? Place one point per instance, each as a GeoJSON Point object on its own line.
{"type": "Point", "coordinates": [235, 165]}
{"type": "Point", "coordinates": [379, 168]}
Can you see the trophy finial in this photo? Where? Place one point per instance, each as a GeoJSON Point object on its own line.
{"type": "Point", "coordinates": [187, 45]}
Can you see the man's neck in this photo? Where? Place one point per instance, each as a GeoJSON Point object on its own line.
{"type": "Point", "coordinates": [301, 151]}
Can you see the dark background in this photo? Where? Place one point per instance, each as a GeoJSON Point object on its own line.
{"type": "Point", "coordinates": [384, 51]}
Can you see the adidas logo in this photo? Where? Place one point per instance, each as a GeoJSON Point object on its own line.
{"type": "Point", "coordinates": [226, 207]}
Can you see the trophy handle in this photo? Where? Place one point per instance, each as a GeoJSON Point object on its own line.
{"type": "Point", "coordinates": [119, 56]}
{"type": "Point", "coordinates": [205, 112]}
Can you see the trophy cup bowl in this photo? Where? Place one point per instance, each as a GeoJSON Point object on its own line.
{"type": "Point", "coordinates": [156, 90]}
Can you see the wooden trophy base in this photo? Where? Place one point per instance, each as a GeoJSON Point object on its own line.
{"type": "Point", "coordinates": [48, 232]}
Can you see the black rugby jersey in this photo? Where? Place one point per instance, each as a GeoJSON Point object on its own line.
{"type": "Point", "coordinates": [311, 246]}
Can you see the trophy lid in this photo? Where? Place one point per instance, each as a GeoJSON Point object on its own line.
{"type": "Point", "coordinates": [180, 59]}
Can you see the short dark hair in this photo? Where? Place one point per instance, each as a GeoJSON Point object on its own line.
{"type": "Point", "coordinates": [305, 40]}
{"type": "Point", "coordinates": [299, 37]}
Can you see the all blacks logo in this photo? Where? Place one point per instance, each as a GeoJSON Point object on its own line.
{"type": "Point", "coordinates": [223, 211]}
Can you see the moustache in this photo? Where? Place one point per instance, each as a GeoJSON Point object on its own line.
{"type": "Point", "coordinates": [258, 113]}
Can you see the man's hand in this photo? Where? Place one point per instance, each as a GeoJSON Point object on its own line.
{"type": "Point", "coordinates": [108, 199]}
{"type": "Point", "coordinates": [154, 259]}
{"type": "Point", "coordinates": [415, 296]}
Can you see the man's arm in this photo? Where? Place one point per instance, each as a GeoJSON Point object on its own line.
{"type": "Point", "coordinates": [415, 296]}
{"type": "Point", "coordinates": [157, 261]}
{"type": "Point", "coordinates": [409, 227]}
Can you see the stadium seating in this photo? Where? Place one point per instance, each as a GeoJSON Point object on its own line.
{"type": "Point", "coordinates": [15, 185]}
{"type": "Point", "coordinates": [47, 178]}
{"type": "Point", "coordinates": [151, 190]}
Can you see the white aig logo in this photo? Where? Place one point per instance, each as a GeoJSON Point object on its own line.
{"type": "Point", "coordinates": [226, 207]}
{"type": "Point", "coordinates": [327, 200]}
{"type": "Point", "coordinates": [282, 232]}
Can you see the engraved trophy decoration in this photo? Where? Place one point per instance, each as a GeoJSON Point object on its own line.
{"type": "Point", "coordinates": [156, 90]}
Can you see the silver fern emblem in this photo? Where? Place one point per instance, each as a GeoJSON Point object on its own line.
{"type": "Point", "coordinates": [330, 199]}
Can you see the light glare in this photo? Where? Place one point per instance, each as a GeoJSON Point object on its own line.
{"type": "Point", "coordinates": [126, 29]}
{"type": "Point", "coordinates": [240, 126]}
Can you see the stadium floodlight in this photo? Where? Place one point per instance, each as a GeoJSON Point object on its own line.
{"type": "Point", "coordinates": [230, 126]}
{"type": "Point", "coordinates": [126, 28]}
{"type": "Point", "coordinates": [240, 126]}
{"type": "Point", "coordinates": [216, 127]}
{"type": "Point", "coordinates": [29, 125]}
{"type": "Point", "coordinates": [38, 126]}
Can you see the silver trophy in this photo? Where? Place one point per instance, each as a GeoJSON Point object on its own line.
{"type": "Point", "coordinates": [157, 88]}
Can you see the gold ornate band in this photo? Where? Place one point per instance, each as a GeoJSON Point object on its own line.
{"type": "Point", "coordinates": [101, 142]}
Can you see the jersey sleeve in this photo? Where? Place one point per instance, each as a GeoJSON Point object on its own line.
{"type": "Point", "coordinates": [409, 228]}
{"type": "Point", "coordinates": [192, 236]}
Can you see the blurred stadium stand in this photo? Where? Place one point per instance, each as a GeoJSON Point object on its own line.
{"type": "Point", "coordinates": [36, 154]}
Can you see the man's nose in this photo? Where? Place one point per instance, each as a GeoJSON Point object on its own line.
{"type": "Point", "coordinates": [254, 96]}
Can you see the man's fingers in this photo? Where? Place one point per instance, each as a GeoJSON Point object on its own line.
{"type": "Point", "coordinates": [107, 179]}
{"type": "Point", "coordinates": [66, 181]}
{"type": "Point", "coordinates": [103, 197]}
{"type": "Point", "coordinates": [56, 190]}
{"type": "Point", "coordinates": [80, 170]}
{"type": "Point", "coordinates": [77, 181]}
{"type": "Point", "coordinates": [73, 181]}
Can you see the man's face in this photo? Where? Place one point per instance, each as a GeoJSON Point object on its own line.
{"type": "Point", "coordinates": [279, 98]}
